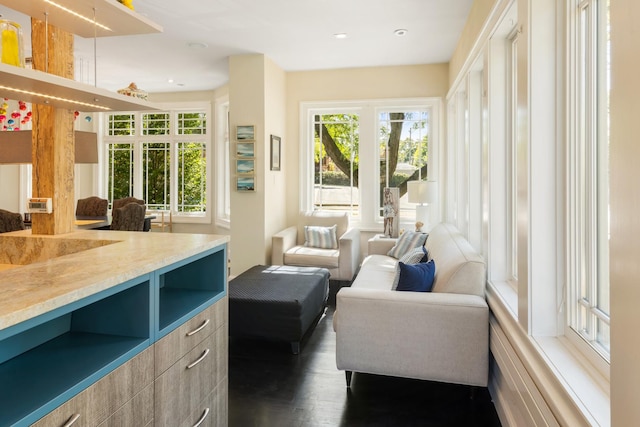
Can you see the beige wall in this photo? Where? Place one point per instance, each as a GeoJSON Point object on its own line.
{"type": "Point", "coordinates": [351, 84]}
{"type": "Point", "coordinates": [275, 182]}
{"type": "Point", "coordinates": [625, 226]}
{"type": "Point", "coordinates": [475, 23]}
{"type": "Point", "coordinates": [256, 97]}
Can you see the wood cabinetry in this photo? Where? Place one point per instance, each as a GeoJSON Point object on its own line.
{"type": "Point", "coordinates": [182, 389]}
{"type": "Point", "coordinates": [122, 392]}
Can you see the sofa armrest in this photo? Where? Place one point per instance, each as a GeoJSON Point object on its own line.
{"type": "Point", "coordinates": [434, 336]}
{"type": "Point", "coordinates": [349, 257]}
{"type": "Point", "coordinates": [281, 242]}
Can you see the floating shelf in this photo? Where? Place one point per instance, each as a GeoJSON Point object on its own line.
{"type": "Point", "coordinates": [120, 20]}
{"type": "Point", "coordinates": [39, 87]}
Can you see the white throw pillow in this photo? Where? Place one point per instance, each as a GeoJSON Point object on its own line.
{"type": "Point", "coordinates": [320, 237]}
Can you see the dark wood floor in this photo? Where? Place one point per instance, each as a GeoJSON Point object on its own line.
{"type": "Point", "coordinates": [269, 386]}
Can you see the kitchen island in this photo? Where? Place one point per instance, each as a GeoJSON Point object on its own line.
{"type": "Point", "coordinates": [88, 313]}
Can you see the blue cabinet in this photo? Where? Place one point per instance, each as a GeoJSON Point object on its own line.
{"type": "Point", "coordinates": [49, 359]}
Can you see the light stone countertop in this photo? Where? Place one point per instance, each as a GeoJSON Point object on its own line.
{"type": "Point", "coordinates": [27, 291]}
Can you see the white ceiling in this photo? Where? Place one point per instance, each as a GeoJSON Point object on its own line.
{"type": "Point", "coordinates": [296, 34]}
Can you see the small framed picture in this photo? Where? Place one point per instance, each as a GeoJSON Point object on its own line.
{"type": "Point", "coordinates": [245, 166]}
{"type": "Point", "coordinates": [246, 183]}
{"type": "Point", "coordinates": [245, 150]}
{"type": "Point", "coordinates": [275, 153]}
{"type": "Point", "coordinates": [245, 133]}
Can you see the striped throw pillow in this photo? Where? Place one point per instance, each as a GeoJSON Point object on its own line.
{"type": "Point", "coordinates": [320, 237]}
{"type": "Point", "coordinates": [407, 241]}
{"type": "Point", "coordinates": [415, 256]}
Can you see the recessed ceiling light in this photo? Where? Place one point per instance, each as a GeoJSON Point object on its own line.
{"type": "Point", "coordinates": [170, 81]}
{"type": "Point", "coordinates": [197, 45]}
{"type": "Point", "coordinates": [400, 32]}
{"type": "Point", "coordinates": [340, 35]}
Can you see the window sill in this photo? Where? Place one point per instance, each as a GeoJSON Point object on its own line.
{"type": "Point", "coordinates": [573, 388]}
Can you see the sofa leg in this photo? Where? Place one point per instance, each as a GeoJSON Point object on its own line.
{"type": "Point", "coordinates": [295, 347]}
{"type": "Point", "coordinates": [473, 392]}
{"type": "Point", "coordinates": [348, 375]}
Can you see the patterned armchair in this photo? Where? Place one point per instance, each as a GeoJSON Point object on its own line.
{"type": "Point", "coordinates": [129, 217]}
{"type": "Point", "coordinates": [10, 221]}
{"type": "Point", "coordinates": [92, 206]}
{"type": "Point", "coordinates": [118, 203]}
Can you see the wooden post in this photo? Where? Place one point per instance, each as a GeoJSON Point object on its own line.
{"type": "Point", "coordinates": [52, 140]}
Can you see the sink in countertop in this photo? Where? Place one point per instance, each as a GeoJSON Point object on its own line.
{"type": "Point", "coordinates": [23, 250]}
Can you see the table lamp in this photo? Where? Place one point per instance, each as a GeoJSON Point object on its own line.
{"type": "Point", "coordinates": [423, 193]}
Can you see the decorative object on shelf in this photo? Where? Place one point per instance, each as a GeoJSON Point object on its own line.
{"type": "Point", "coordinates": [275, 153]}
{"type": "Point", "coordinates": [12, 43]}
{"type": "Point", "coordinates": [246, 183]}
{"type": "Point", "coordinates": [17, 118]}
{"type": "Point", "coordinates": [391, 197]}
{"type": "Point", "coordinates": [128, 3]}
{"type": "Point", "coordinates": [245, 150]}
{"type": "Point", "coordinates": [419, 225]}
{"type": "Point", "coordinates": [245, 133]}
{"type": "Point", "coordinates": [133, 91]}
{"type": "Point", "coordinates": [423, 193]}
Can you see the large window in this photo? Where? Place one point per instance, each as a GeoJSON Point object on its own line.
{"type": "Point", "coordinates": [160, 157]}
{"type": "Point", "coordinates": [355, 149]}
{"type": "Point", "coordinates": [589, 176]}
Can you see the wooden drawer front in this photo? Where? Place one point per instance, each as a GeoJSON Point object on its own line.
{"type": "Point", "coordinates": [137, 412]}
{"type": "Point", "coordinates": [179, 342]}
{"type": "Point", "coordinates": [212, 411]}
{"type": "Point", "coordinates": [180, 389]}
{"type": "Point", "coordinates": [103, 398]}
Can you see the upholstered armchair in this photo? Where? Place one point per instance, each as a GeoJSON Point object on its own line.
{"type": "Point", "coordinates": [130, 217]}
{"type": "Point", "coordinates": [10, 221]}
{"type": "Point", "coordinates": [92, 206]}
{"type": "Point", "coordinates": [320, 239]}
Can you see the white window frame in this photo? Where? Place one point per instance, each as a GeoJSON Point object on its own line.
{"type": "Point", "coordinates": [587, 217]}
{"type": "Point", "coordinates": [370, 217]}
{"type": "Point", "coordinates": [137, 140]}
{"type": "Point", "coordinates": [223, 168]}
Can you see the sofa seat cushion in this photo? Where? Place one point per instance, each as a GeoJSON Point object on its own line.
{"type": "Point", "coordinates": [376, 272]}
{"type": "Point", "coordinates": [312, 257]}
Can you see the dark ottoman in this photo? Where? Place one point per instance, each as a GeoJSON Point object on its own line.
{"type": "Point", "coordinates": [277, 302]}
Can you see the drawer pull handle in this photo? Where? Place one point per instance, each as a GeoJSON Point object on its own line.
{"type": "Point", "coordinates": [71, 420]}
{"type": "Point", "coordinates": [199, 328]}
{"type": "Point", "coordinates": [200, 359]}
{"type": "Point", "coordinates": [204, 415]}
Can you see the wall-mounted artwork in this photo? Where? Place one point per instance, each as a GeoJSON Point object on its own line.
{"type": "Point", "coordinates": [245, 133]}
{"type": "Point", "coordinates": [246, 183]}
{"type": "Point", "coordinates": [245, 150]}
{"type": "Point", "coordinates": [275, 153]}
{"type": "Point", "coordinates": [245, 166]}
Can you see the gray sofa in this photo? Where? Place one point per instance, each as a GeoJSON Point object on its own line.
{"type": "Point", "coordinates": [441, 335]}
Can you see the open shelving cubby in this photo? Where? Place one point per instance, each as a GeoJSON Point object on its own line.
{"type": "Point", "coordinates": [187, 286]}
{"type": "Point", "coordinates": [49, 359]}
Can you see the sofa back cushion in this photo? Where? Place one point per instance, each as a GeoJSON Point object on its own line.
{"type": "Point", "coordinates": [460, 269]}
{"type": "Point", "coordinates": [323, 219]}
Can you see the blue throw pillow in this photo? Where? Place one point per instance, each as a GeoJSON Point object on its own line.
{"type": "Point", "coordinates": [416, 277]}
